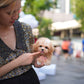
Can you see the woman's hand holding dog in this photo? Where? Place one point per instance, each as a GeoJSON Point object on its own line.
{"type": "Point", "coordinates": [24, 59]}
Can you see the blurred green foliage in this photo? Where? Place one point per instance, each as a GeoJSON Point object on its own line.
{"type": "Point", "coordinates": [78, 9]}
{"type": "Point", "coordinates": [44, 27]}
{"type": "Point", "coordinates": [34, 7]}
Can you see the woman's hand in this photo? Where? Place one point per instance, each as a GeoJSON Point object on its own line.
{"type": "Point", "coordinates": [39, 61]}
{"type": "Point", "coordinates": [24, 59]}
{"type": "Point", "coordinates": [27, 58]}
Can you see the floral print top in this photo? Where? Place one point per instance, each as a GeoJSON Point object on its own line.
{"type": "Point", "coordinates": [24, 41]}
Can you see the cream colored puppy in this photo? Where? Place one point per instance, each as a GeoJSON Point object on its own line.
{"type": "Point", "coordinates": [44, 45]}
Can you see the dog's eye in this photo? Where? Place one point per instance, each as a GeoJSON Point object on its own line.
{"type": "Point", "coordinates": [40, 46]}
{"type": "Point", "coordinates": [46, 47]}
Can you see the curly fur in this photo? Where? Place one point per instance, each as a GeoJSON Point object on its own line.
{"type": "Point", "coordinates": [44, 45]}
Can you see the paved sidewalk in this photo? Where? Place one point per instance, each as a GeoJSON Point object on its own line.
{"type": "Point", "coordinates": [67, 72]}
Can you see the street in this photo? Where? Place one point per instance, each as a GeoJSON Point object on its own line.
{"type": "Point", "coordinates": [70, 71]}
{"type": "Point", "coordinates": [67, 72]}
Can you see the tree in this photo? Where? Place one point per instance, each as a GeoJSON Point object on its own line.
{"type": "Point", "coordinates": [34, 7]}
{"type": "Point", "coordinates": [44, 27]}
{"type": "Point", "coordinates": [78, 9]}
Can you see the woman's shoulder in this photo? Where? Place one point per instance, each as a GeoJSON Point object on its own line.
{"type": "Point", "coordinates": [22, 24]}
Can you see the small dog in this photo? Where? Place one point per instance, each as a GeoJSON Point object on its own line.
{"type": "Point", "coordinates": [44, 45]}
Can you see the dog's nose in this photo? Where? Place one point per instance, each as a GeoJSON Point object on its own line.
{"type": "Point", "coordinates": [42, 49]}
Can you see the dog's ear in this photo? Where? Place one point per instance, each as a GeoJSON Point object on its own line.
{"type": "Point", "coordinates": [35, 47]}
{"type": "Point", "coordinates": [51, 50]}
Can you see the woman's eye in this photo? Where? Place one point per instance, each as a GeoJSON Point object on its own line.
{"type": "Point", "coordinates": [9, 13]}
{"type": "Point", "coordinates": [46, 47]}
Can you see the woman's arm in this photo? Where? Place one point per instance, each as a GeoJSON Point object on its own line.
{"type": "Point", "coordinates": [24, 59]}
{"type": "Point", "coordinates": [8, 67]}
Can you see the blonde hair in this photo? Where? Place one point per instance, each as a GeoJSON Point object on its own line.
{"type": "Point", "coordinates": [5, 3]}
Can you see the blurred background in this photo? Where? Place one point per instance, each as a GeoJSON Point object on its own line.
{"type": "Point", "coordinates": [58, 20]}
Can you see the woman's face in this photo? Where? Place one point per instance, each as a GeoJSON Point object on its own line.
{"type": "Point", "coordinates": [9, 14]}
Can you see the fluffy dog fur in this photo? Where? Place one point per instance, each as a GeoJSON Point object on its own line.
{"type": "Point", "coordinates": [44, 45]}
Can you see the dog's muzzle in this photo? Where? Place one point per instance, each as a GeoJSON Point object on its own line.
{"type": "Point", "coordinates": [42, 49]}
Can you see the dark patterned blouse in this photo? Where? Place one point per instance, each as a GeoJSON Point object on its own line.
{"type": "Point", "coordinates": [24, 40]}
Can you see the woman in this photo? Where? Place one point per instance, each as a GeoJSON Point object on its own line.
{"type": "Point", "coordinates": [16, 39]}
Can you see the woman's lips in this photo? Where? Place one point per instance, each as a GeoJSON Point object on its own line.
{"type": "Point", "coordinates": [12, 21]}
